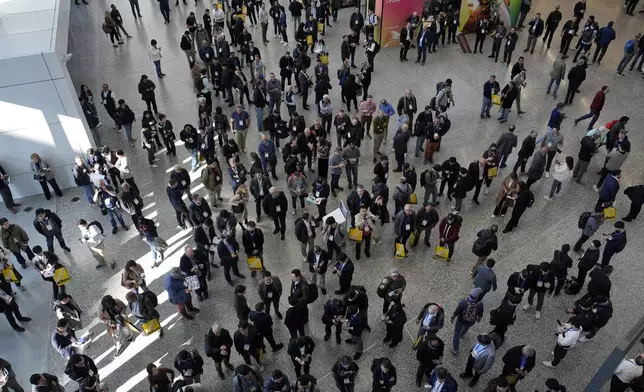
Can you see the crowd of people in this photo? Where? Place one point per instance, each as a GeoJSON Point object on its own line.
{"type": "Point", "coordinates": [218, 51]}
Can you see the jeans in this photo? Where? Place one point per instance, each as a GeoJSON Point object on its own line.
{"type": "Point", "coordinates": [50, 241]}
{"type": "Point", "coordinates": [504, 113]}
{"type": "Point", "coordinates": [88, 191]}
{"type": "Point", "coordinates": [556, 82]}
{"type": "Point", "coordinates": [579, 170]}
{"type": "Point", "coordinates": [601, 51]}
{"type": "Point", "coordinates": [352, 173]}
{"type": "Point", "coordinates": [487, 105]}
{"type": "Point", "coordinates": [420, 140]}
{"type": "Point", "coordinates": [112, 213]}
{"type": "Point", "coordinates": [460, 329]}
{"type": "Point", "coordinates": [422, 52]}
{"type": "Point", "coordinates": [637, 57]}
{"type": "Point", "coordinates": [272, 103]}
{"type": "Point", "coordinates": [18, 255]}
{"type": "Point", "coordinates": [260, 118]}
{"type": "Point", "coordinates": [157, 66]}
{"type": "Point", "coordinates": [335, 179]}
{"type": "Point", "coordinates": [128, 132]}
{"type": "Point", "coordinates": [592, 114]}
{"type": "Point", "coordinates": [195, 161]}
{"type": "Point", "coordinates": [152, 249]}
{"type": "Point", "coordinates": [622, 64]}
{"type": "Point", "coordinates": [431, 190]}
{"type": "Point", "coordinates": [556, 187]}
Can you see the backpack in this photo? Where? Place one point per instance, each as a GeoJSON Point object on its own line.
{"type": "Point", "coordinates": [469, 314]}
{"type": "Point", "coordinates": [583, 219]}
{"type": "Point", "coordinates": [587, 35]}
{"type": "Point", "coordinates": [152, 297]}
{"type": "Point", "coordinates": [313, 292]}
{"type": "Point", "coordinates": [630, 46]}
{"type": "Point", "coordinates": [432, 103]}
{"type": "Point", "coordinates": [422, 178]}
{"type": "Point", "coordinates": [531, 199]}
{"type": "Point", "coordinates": [480, 244]}
{"type": "Point", "coordinates": [439, 87]}
{"type": "Point", "coordinates": [571, 286]}
{"type": "Point", "coordinates": [98, 225]}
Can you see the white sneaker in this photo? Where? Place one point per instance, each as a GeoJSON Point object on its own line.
{"type": "Point", "coordinates": [154, 165]}
{"type": "Point", "coordinates": [547, 198]}
{"type": "Point", "coordinates": [493, 216]}
{"type": "Point", "coordinates": [595, 188]}
{"type": "Point", "coordinates": [485, 192]}
{"type": "Point", "coordinates": [527, 306]}
{"type": "Point", "coordinates": [547, 174]}
{"type": "Point", "coordinates": [304, 259]}
{"type": "Point", "coordinates": [548, 364]}
{"type": "Point", "coordinates": [157, 160]}
{"type": "Point", "coordinates": [537, 315]}
{"type": "Point", "coordinates": [294, 212]}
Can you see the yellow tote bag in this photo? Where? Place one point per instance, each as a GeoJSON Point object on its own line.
{"type": "Point", "coordinates": [492, 172]}
{"type": "Point", "coordinates": [9, 275]}
{"type": "Point", "coordinates": [355, 234]}
{"type": "Point", "coordinates": [151, 326]}
{"type": "Point", "coordinates": [321, 27]}
{"type": "Point", "coordinates": [496, 99]}
{"type": "Point", "coordinates": [309, 40]}
{"type": "Point", "coordinates": [413, 199]}
{"type": "Point", "coordinates": [61, 276]}
{"type": "Point", "coordinates": [609, 212]}
{"type": "Point", "coordinates": [400, 251]}
{"type": "Point", "coordinates": [255, 263]}
{"type": "Point", "coordinates": [441, 252]}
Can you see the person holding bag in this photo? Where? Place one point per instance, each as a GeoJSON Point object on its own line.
{"type": "Point", "coordinates": [42, 174]}
{"type": "Point", "coordinates": [507, 194]}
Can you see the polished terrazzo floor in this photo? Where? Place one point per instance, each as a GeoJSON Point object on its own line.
{"type": "Point", "coordinates": [542, 229]}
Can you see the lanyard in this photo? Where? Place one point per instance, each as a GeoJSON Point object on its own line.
{"type": "Point", "coordinates": [519, 280]}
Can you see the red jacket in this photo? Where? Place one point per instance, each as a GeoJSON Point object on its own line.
{"type": "Point", "coordinates": [598, 102]}
{"type": "Point", "coordinates": [450, 232]}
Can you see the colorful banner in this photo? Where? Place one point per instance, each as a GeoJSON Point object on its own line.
{"type": "Point", "coordinates": [515, 9]}
{"type": "Point", "coordinates": [392, 16]}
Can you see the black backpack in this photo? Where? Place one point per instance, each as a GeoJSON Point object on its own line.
{"type": "Point", "coordinates": [587, 35]}
{"type": "Point", "coordinates": [152, 297]}
{"type": "Point", "coordinates": [313, 292]}
{"type": "Point", "coordinates": [97, 224]}
{"type": "Point", "coordinates": [571, 286]}
{"type": "Point", "coordinates": [439, 87]}
{"type": "Point", "coordinates": [583, 219]}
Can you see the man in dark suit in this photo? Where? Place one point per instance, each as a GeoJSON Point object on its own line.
{"type": "Point", "coordinates": [423, 42]}
{"type": "Point", "coordinates": [299, 287]}
{"type": "Point", "coordinates": [477, 176]}
{"type": "Point", "coordinates": [275, 206]}
{"type": "Point", "coordinates": [406, 37]}
{"type": "Point", "coordinates": [344, 268]}
{"type": "Point", "coordinates": [228, 252]}
{"type": "Point", "coordinates": [253, 242]}
{"type": "Point", "coordinates": [300, 350]}
{"type": "Point", "coordinates": [318, 261]}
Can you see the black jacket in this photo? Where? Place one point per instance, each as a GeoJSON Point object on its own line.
{"type": "Point", "coordinates": [599, 284]}
{"type": "Point", "coordinates": [261, 320]}
{"type": "Point", "coordinates": [536, 27]}
{"type": "Point", "coordinates": [577, 75]}
{"type": "Point", "coordinates": [199, 213]}
{"type": "Point", "coordinates": [296, 316]}
{"type": "Point", "coordinates": [635, 193]}
{"type": "Point", "coordinates": [213, 343]}
{"type": "Point", "coordinates": [224, 254]}
{"type": "Point", "coordinates": [589, 259]}
{"type": "Point", "coordinates": [400, 142]}
{"type": "Point", "coordinates": [254, 242]}
{"type": "Point", "coordinates": [560, 264]}
{"type": "Point", "coordinates": [512, 360]}
{"type": "Point", "coordinates": [340, 373]}
{"type": "Point", "coordinates": [78, 374]}
{"type": "Point", "coordinates": [194, 363]}
{"type": "Point", "coordinates": [301, 233]}
{"type": "Point", "coordinates": [527, 147]}
{"type": "Point", "coordinates": [383, 381]}
{"type": "Point", "coordinates": [253, 339]}
{"type": "Point", "coordinates": [295, 346]}
{"type": "Point", "coordinates": [146, 89]}
{"type": "Point", "coordinates": [539, 281]}
{"type": "Point", "coordinates": [427, 355]}
{"type": "Point", "coordinates": [270, 205]}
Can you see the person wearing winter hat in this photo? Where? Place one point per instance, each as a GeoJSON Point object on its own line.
{"type": "Point", "coordinates": [480, 360]}
{"type": "Point", "coordinates": [468, 312]}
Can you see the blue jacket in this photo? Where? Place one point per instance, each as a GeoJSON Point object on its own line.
{"type": "Point", "coordinates": [554, 120]}
{"type": "Point", "coordinates": [263, 149]}
{"type": "Point", "coordinates": [176, 290]}
{"type": "Point", "coordinates": [488, 87]}
{"type": "Point", "coordinates": [387, 109]}
{"type": "Point", "coordinates": [617, 242]}
{"type": "Point", "coordinates": [62, 344]}
{"type": "Point", "coordinates": [605, 35]}
{"type": "Point", "coordinates": [272, 386]}
{"type": "Point", "coordinates": [283, 20]}
{"type": "Point", "coordinates": [448, 386]}
{"type": "Point", "coordinates": [175, 195]}
{"type": "Point", "coordinates": [609, 189]}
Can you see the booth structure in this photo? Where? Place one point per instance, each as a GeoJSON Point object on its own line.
{"type": "Point", "coordinates": [39, 108]}
{"type": "Point", "coordinates": [392, 16]}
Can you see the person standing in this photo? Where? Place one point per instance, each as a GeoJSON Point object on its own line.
{"type": "Point", "coordinates": [552, 22]}
{"type": "Point", "coordinates": [534, 32]}
{"type": "Point", "coordinates": [629, 371]}
{"type": "Point", "coordinates": [480, 360]}
{"type": "Point", "coordinates": [300, 350]}
{"type": "Point", "coordinates": [270, 292]}
{"type": "Point", "coordinates": [510, 44]}
{"type": "Point", "coordinates": [92, 235]}
{"type": "Point", "coordinates": [276, 206]}
{"type": "Point", "coordinates": [228, 253]}
{"type": "Point", "coordinates": [576, 77]}
{"type": "Point", "coordinates": [498, 36]}
{"type": "Point", "coordinates": [586, 152]}
{"type": "Point", "coordinates": [305, 233]}
{"type": "Point", "coordinates": [615, 242]}
{"type": "Point", "coordinates": [264, 325]}
{"type": "Point", "coordinates": [604, 37]}
{"type": "Point", "coordinates": [491, 87]}
{"type": "Point", "coordinates": [636, 196]}
{"type": "Point", "coordinates": [16, 239]}
{"type": "Point", "coordinates": [345, 372]}
{"type": "Point", "coordinates": [217, 346]}
{"type": "Point", "coordinates": [508, 95]}
{"type": "Point", "coordinates": [468, 312]}
{"type": "Point", "coordinates": [194, 262]}
{"type": "Point", "coordinates": [482, 28]}
{"type": "Point", "coordinates": [239, 125]}
{"type": "Point", "coordinates": [49, 225]}
{"type": "Point", "coordinates": [567, 336]}
{"type": "Point", "coordinates": [44, 175]}
{"type": "Point", "coordinates": [248, 343]}
{"type": "Point", "coordinates": [557, 73]}
{"type": "Point", "coordinates": [384, 375]}
{"type": "Point", "coordinates": [518, 361]}
{"type": "Point", "coordinates": [541, 280]}
{"type": "Point", "coordinates": [406, 37]}
{"type": "Point", "coordinates": [524, 199]}
{"type": "Point", "coordinates": [344, 269]}
{"type": "Point", "coordinates": [154, 53]}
